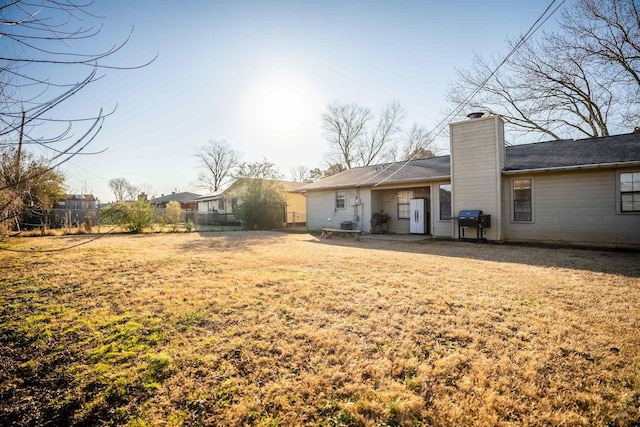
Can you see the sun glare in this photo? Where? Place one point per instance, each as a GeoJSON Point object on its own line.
{"type": "Point", "coordinates": [280, 106]}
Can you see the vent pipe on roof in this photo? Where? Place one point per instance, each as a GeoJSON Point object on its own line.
{"type": "Point", "coordinates": [475, 115]}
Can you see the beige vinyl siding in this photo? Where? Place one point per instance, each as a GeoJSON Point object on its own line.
{"type": "Point", "coordinates": [577, 207]}
{"type": "Point", "coordinates": [477, 159]}
{"type": "Point", "coordinates": [387, 202]}
{"type": "Point", "coordinates": [321, 210]}
{"type": "Point", "coordinates": [390, 200]}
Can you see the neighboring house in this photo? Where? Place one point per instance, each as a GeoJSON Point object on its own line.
{"type": "Point", "coordinates": [296, 213]}
{"type": "Point", "coordinates": [215, 202]}
{"type": "Point", "coordinates": [75, 209]}
{"type": "Point", "coordinates": [584, 192]}
{"type": "Point", "coordinates": [78, 202]}
{"type": "Point", "coordinates": [224, 202]}
{"type": "Point", "coordinates": [187, 201]}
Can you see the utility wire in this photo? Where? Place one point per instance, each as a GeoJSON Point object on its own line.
{"type": "Point", "coordinates": [532, 30]}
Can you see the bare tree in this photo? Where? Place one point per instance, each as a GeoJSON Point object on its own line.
{"type": "Point", "coordinates": [417, 144]}
{"type": "Point", "coordinates": [608, 32]}
{"type": "Point", "coordinates": [44, 63]}
{"type": "Point", "coordinates": [258, 170]}
{"type": "Point", "coordinates": [580, 81]}
{"type": "Point", "coordinates": [216, 159]}
{"type": "Point", "coordinates": [147, 190]}
{"type": "Point", "coordinates": [123, 190]}
{"type": "Point", "coordinates": [376, 146]}
{"type": "Point", "coordinates": [300, 174]}
{"type": "Point", "coordinates": [356, 142]}
{"type": "Point", "coordinates": [563, 92]}
{"type": "Point", "coordinates": [345, 126]}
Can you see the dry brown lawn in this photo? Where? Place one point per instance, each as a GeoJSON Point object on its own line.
{"type": "Point", "coordinates": [274, 329]}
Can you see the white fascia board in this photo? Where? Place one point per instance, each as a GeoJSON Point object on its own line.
{"type": "Point", "coordinates": [576, 167]}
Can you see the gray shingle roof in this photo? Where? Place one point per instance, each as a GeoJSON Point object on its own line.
{"type": "Point", "coordinates": [388, 173]}
{"type": "Point", "coordinates": [290, 186]}
{"type": "Point", "coordinates": [177, 197]}
{"type": "Point", "coordinates": [569, 152]}
{"type": "Point", "coordinates": [541, 155]}
{"type": "Point", "coordinates": [208, 197]}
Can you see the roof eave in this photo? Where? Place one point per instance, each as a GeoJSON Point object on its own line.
{"type": "Point", "coordinates": [573, 167]}
{"type": "Point", "coordinates": [379, 183]}
{"type": "Point", "coordinates": [413, 180]}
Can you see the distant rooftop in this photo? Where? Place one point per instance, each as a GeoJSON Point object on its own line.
{"type": "Point", "coordinates": [176, 197]}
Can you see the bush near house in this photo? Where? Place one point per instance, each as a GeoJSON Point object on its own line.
{"type": "Point", "coordinates": [134, 217]}
{"type": "Point", "coordinates": [261, 205]}
{"type": "Point", "coordinates": [173, 214]}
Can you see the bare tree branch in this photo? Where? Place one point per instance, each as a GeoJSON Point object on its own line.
{"type": "Point", "coordinates": [344, 126]}
{"type": "Point", "coordinates": [300, 174]}
{"type": "Point", "coordinates": [418, 144]}
{"type": "Point", "coordinates": [382, 135]}
{"type": "Point", "coordinates": [40, 39]}
{"type": "Point", "coordinates": [579, 81]}
{"type": "Point", "coordinates": [348, 129]}
{"type": "Point", "coordinates": [216, 160]}
{"type": "Point", "coordinates": [123, 190]}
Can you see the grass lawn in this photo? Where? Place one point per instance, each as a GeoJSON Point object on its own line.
{"type": "Point", "coordinates": [274, 329]}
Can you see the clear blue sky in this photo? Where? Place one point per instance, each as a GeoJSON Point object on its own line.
{"type": "Point", "coordinates": [259, 74]}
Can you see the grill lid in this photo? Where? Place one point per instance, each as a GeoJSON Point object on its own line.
{"type": "Point", "coordinates": [469, 213]}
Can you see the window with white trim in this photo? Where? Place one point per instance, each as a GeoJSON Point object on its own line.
{"type": "Point", "coordinates": [404, 204]}
{"type": "Point", "coordinates": [445, 201]}
{"type": "Point", "coordinates": [522, 198]}
{"type": "Point", "coordinates": [341, 197]}
{"type": "Point", "coordinates": [630, 192]}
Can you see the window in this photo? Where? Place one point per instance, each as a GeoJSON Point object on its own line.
{"type": "Point", "coordinates": [340, 200]}
{"type": "Point", "coordinates": [221, 204]}
{"type": "Point", "coordinates": [403, 204]}
{"type": "Point", "coordinates": [445, 201]}
{"type": "Point", "coordinates": [630, 192]}
{"type": "Point", "coordinates": [522, 208]}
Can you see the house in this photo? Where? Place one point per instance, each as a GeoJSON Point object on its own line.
{"type": "Point", "coordinates": [187, 201]}
{"type": "Point", "coordinates": [223, 202]}
{"type": "Point", "coordinates": [77, 202]}
{"type": "Point", "coordinates": [74, 209]}
{"type": "Point", "coordinates": [579, 192]}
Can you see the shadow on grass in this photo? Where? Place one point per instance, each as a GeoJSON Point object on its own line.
{"type": "Point", "coordinates": [233, 240]}
{"type": "Point", "coordinates": [624, 263]}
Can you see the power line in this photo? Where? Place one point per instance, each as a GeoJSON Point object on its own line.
{"type": "Point", "coordinates": [532, 30]}
{"type": "Point", "coordinates": [82, 177]}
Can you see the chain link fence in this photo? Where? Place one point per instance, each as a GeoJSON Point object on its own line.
{"type": "Point", "coordinates": [90, 220]}
{"type": "Point", "coordinates": [38, 219]}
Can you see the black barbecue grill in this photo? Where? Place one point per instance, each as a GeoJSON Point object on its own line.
{"type": "Point", "coordinates": [475, 219]}
{"type": "Point", "coordinates": [380, 223]}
